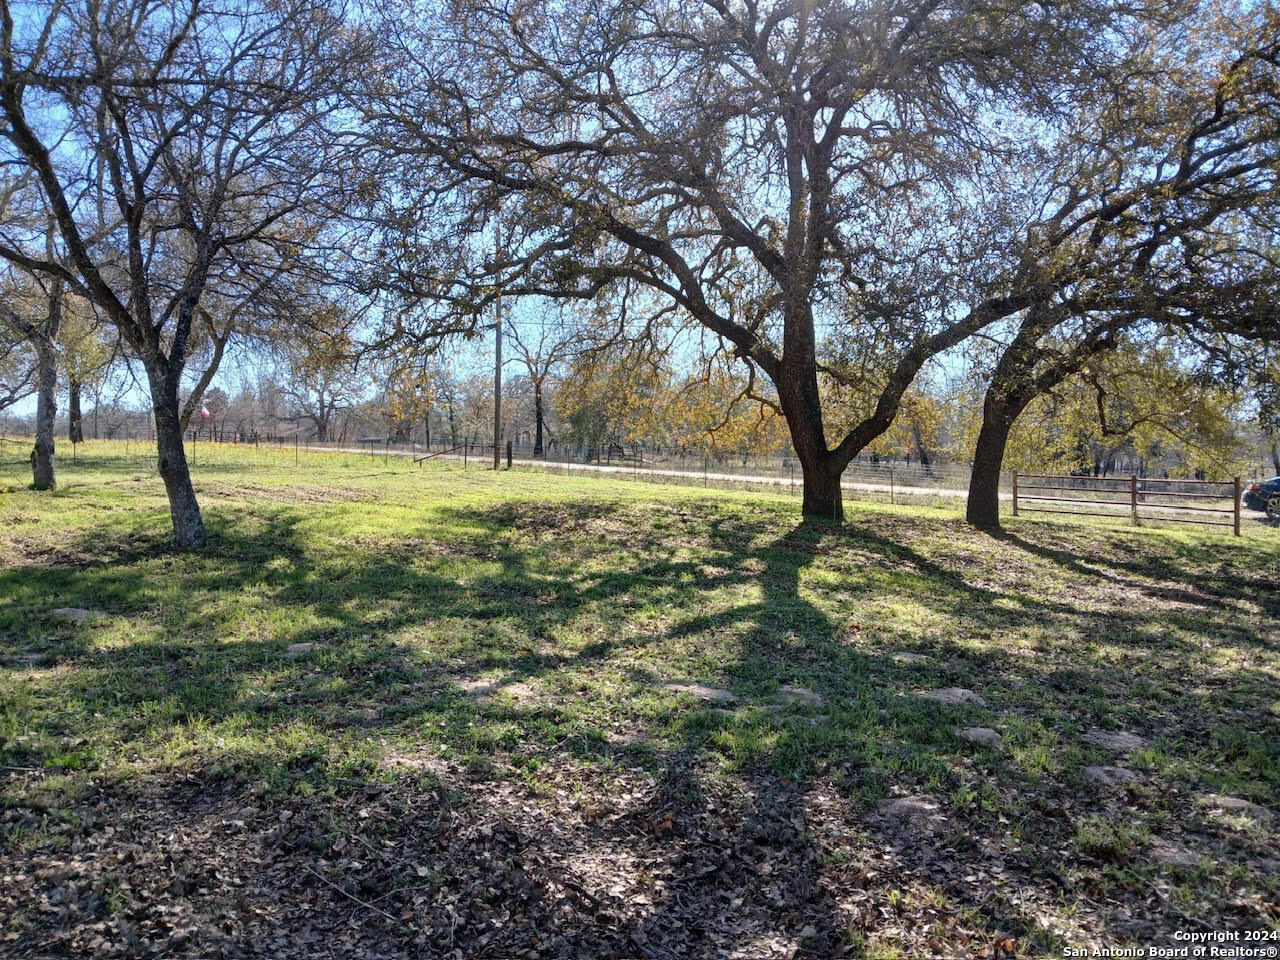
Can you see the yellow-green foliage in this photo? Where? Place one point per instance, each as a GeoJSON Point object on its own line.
{"type": "Point", "coordinates": [1138, 402]}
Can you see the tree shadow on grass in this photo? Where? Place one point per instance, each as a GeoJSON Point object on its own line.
{"type": "Point", "coordinates": [751, 829]}
{"type": "Point", "coordinates": [1217, 585]}
{"type": "Point", "coordinates": [861, 686]}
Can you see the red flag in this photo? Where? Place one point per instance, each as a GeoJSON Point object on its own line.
{"type": "Point", "coordinates": [204, 411]}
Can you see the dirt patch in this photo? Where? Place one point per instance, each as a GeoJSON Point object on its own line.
{"type": "Point", "coordinates": [628, 864]}
{"type": "Point", "coordinates": [277, 494]}
{"type": "Point", "coordinates": [480, 869]}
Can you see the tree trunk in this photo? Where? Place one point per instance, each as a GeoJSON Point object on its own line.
{"type": "Point", "coordinates": [796, 380]}
{"type": "Point", "coordinates": [44, 474]}
{"type": "Point", "coordinates": [188, 526]}
{"type": "Point", "coordinates": [822, 498]}
{"type": "Point", "coordinates": [75, 424]}
{"type": "Point", "coordinates": [999, 412]}
{"type": "Point", "coordinates": [802, 407]}
{"type": "Point", "coordinates": [1275, 455]}
{"type": "Point", "coordinates": [537, 419]}
{"type": "Point", "coordinates": [983, 509]}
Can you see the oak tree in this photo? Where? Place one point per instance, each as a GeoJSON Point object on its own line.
{"type": "Point", "coordinates": [1153, 205]}
{"type": "Point", "coordinates": [839, 162]}
{"type": "Point", "coordinates": [185, 155]}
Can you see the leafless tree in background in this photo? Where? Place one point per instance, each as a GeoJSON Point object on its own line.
{"type": "Point", "coordinates": [186, 158]}
{"type": "Point", "coordinates": [541, 348]}
{"type": "Point", "coordinates": [34, 313]}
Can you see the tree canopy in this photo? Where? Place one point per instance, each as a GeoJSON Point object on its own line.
{"type": "Point", "coordinates": [808, 209]}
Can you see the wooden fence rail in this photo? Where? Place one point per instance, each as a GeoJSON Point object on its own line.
{"type": "Point", "coordinates": [1139, 495]}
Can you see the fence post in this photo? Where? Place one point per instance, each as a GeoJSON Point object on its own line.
{"type": "Point", "coordinates": [1235, 506]}
{"type": "Point", "coordinates": [704, 470]}
{"type": "Point", "coordinates": [891, 490]}
{"type": "Point", "coordinates": [1015, 493]}
{"type": "Point", "coordinates": [508, 454]}
{"type": "Point", "coordinates": [1133, 497]}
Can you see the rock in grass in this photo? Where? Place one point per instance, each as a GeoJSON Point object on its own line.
{"type": "Point", "coordinates": [710, 694]}
{"type": "Point", "coordinates": [1117, 741]}
{"type": "Point", "coordinates": [479, 688]}
{"type": "Point", "coordinates": [483, 689]}
{"type": "Point", "coordinates": [903, 656]}
{"type": "Point", "coordinates": [798, 696]}
{"type": "Point", "coordinates": [1172, 854]}
{"type": "Point", "coordinates": [983, 735]}
{"type": "Point", "coordinates": [910, 808]}
{"type": "Point", "coordinates": [76, 615]}
{"type": "Point", "coordinates": [296, 650]}
{"type": "Point", "coordinates": [524, 694]}
{"type": "Point", "coordinates": [952, 696]}
{"type": "Point", "coordinates": [626, 737]}
{"type": "Point", "coordinates": [1236, 806]}
{"type": "Point", "coordinates": [1105, 776]}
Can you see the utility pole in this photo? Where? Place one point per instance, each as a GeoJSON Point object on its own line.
{"type": "Point", "coordinates": [497, 358]}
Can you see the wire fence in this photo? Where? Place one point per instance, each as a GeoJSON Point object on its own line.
{"type": "Point", "coordinates": [865, 479]}
{"type": "Point", "coordinates": [894, 477]}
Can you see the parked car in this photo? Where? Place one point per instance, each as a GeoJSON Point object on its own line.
{"type": "Point", "coordinates": [1264, 496]}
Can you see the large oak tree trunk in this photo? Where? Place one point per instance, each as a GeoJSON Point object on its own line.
{"type": "Point", "coordinates": [999, 413]}
{"type": "Point", "coordinates": [44, 474]}
{"type": "Point", "coordinates": [820, 470]}
{"type": "Point", "coordinates": [801, 404]}
{"type": "Point", "coordinates": [1015, 383]}
{"type": "Point", "coordinates": [822, 498]}
{"type": "Point", "coordinates": [983, 509]}
{"type": "Point", "coordinates": [188, 526]}
{"type": "Point", "coordinates": [75, 423]}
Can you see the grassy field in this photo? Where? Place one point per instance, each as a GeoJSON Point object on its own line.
{"type": "Point", "coordinates": [410, 712]}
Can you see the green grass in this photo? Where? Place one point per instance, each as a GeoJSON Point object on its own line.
{"type": "Point", "coordinates": [578, 600]}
